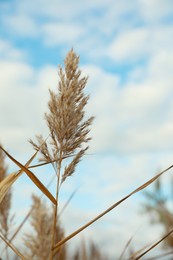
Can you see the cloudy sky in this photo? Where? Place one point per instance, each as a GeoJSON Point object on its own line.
{"type": "Point", "coordinates": [126, 48]}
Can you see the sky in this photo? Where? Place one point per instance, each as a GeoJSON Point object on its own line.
{"type": "Point", "coordinates": [126, 49]}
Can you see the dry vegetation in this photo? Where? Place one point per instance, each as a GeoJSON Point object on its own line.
{"type": "Point", "coordinates": [5, 221]}
{"type": "Point", "coordinates": [65, 146]}
{"type": "Point", "coordinates": [156, 205]}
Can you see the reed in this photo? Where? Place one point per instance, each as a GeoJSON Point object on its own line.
{"type": "Point", "coordinates": [68, 139]}
{"type": "Point", "coordinates": [5, 205]}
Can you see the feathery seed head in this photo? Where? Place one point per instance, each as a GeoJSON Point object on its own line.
{"type": "Point", "coordinates": [65, 118]}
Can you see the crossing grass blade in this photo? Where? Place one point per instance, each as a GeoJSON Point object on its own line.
{"type": "Point", "coordinates": [143, 186]}
{"type": "Point", "coordinates": [36, 181]}
{"type": "Point", "coordinates": [154, 245]}
{"type": "Point", "coordinates": [6, 183]}
{"type": "Point", "coordinates": [13, 248]}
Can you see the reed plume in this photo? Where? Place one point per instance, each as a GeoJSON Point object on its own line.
{"type": "Point", "coordinates": [68, 128]}
{"type": "Point", "coordinates": [38, 242]}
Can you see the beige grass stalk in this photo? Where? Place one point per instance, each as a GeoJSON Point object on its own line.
{"type": "Point", "coordinates": [13, 248]}
{"type": "Point", "coordinates": [67, 125]}
{"type": "Point", "coordinates": [5, 205]}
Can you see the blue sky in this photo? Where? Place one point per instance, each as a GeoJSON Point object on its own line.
{"type": "Point", "coordinates": [126, 49]}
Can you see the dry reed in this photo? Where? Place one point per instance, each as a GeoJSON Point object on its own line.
{"type": "Point", "coordinates": [68, 138]}
{"type": "Point", "coordinates": [5, 205]}
{"type": "Point", "coordinates": [67, 128]}
{"type": "Point", "coordinates": [38, 242]}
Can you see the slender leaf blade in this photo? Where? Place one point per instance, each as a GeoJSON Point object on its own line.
{"type": "Point", "coordinates": [36, 181]}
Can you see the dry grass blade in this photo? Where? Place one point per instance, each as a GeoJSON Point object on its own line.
{"type": "Point", "coordinates": [32, 177]}
{"type": "Point", "coordinates": [13, 248]}
{"type": "Point", "coordinates": [143, 186]}
{"type": "Point", "coordinates": [158, 242]}
{"type": "Point", "coordinates": [68, 201]}
{"type": "Point", "coordinates": [160, 256]}
{"type": "Point", "coordinates": [151, 180]}
{"type": "Point", "coordinates": [6, 183]}
{"type": "Point", "coordinates": [127, 245]}
{"type": "Point", "coordinates": [125, 248]}
{"type": "Point", "coordinates": [134, 254]}
{"type": "Point", "coordinates": [26, 217]}
{"type": "Point", "coordinates": [13, 177]}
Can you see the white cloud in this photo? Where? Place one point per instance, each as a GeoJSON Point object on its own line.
{"type": "Point", "coordinates": [129, 119]}
{"type": "Point", "coordinates": [130, 45]}
{"type": "Point", "coordinates": [59, 8]}
{"type": "Point", "coordinates": [134, 117]}
{"type": "Point", "coordinates": [56, 33]}
{"type": "Point", "coordinates": [21, 25]}
{"type": "Point", "coordinates": [23, 101]}
{"type": "Point", "coordinates": [25, 20]}
{"type": "Point", "coordinates": [160, 67]}
{"type": "Point", "coordinates": [140, 43]}
{"type": "Point", "coordinates": [66, 24]}
{"type": "Point", "coordinates": [8, 51]}
{"type": "Point", "coordinates": [155, 10]}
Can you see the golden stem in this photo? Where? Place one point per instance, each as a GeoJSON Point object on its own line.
{"type": "Point", "coordinates": [56, 205]}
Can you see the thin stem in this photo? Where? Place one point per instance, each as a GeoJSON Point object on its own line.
{"type": "Point", "coordinates": [12, 247]}
{"type": "Point", "coordinates": [160, 256]}
{"type": "Point", "coordinates": [6, 237]}
{"type": "Point", "coordinates": [68, 201]}
{"type": "Point", "coordinates": [7, 254]}
{"type": "Point", "coordinates": [56, 205]}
